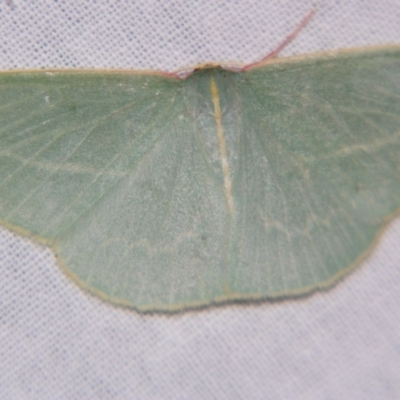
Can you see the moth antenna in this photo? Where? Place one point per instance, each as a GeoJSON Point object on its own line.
{"type": "Point", "coordinates": [289, 38]}
{"type": "Point", "coordinates": [175, 75]}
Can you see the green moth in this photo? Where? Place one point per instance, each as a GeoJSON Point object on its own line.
{"type": "Point", "coordinates": [165, 194]}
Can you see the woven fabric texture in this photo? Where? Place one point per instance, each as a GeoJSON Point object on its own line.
{"type": "Point", "coordinates": [58, 342]}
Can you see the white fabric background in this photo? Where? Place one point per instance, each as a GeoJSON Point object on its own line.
{"type": "Point", "coordinates": [57, 342]}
